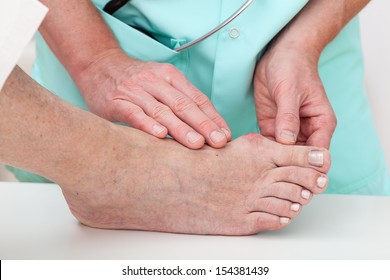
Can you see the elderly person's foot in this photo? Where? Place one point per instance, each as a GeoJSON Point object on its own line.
{"type": "Point", "coordinates": [251, 185]}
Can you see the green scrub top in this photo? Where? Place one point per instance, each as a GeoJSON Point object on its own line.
{"type": "Point", "coordinates": [222, 67]}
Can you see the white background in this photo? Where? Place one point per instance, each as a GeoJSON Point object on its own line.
{"type": "Point", "coordinates": [375, 24]}
{"type": "Point", "coordinates": [278, 270]}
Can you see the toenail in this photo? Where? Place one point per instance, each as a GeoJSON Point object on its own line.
{"type": "Point", "coordinates": [217, 136]}
{"type": "Point", "coordinates": [306, 194]}
{"type": "Point", "coordinates": [316, 158]}
{"type": "Point", "coordinates": [322, 181]}
{"type": "Point", "coordinates": [193, 137]}
{"type": "Point", "coordinates": [288, 136]}
{"type": "Point", "coordinates": [284, 220]}
{"type": "Point", "coordinates": [295, 207]}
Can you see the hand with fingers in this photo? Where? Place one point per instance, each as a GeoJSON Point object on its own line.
{"type": "Point", "coordinates": [153, 97]}
{"type": "Point", "coordinates": [291, 104]}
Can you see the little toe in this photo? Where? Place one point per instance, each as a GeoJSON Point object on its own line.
{"type": "Point", "coordinates": [276, 206]}
{"type": "Point", "coordinates": [265, 222]}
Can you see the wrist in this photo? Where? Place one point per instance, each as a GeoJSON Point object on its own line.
{"type": "Point", "coordinates": [314, 27]}
{"type": "Point", "coordinates": [300, 39]}
{"type": "Point", "coordinates": [97, 60]}
{"type": "Point", "coordinates": [295, 47]}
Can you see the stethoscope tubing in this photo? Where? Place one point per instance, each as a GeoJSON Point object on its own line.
{"type": "Point", "coordinates": [114, 5]}
{"type": "Point", "coordinates": [216, 29]}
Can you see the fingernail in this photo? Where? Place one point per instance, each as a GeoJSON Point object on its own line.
{"type": "Point", "coordinates": [316, 158]}
{"type": "Point", "coordinates": [305, 194]}
{"type": "Point", "coordinates": [217, 136]}
{"type": "Point", "coordinates": [322, 181]}
{"type": "Point", "coordinates": [227, 132]}
{"type": "Point", "coordinates": [193, 137]}
{"type": "Point", "coordinates": [158, 129]}
{"type": "Point", "coordinates": [288, 136]}
{"type": "Point", "coordinates": [295, 207]}
{"type": "Point", "coordinates": [284, 220]}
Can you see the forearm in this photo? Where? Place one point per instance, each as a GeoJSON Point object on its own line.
{"type": "Point", "coordinates": [76, 33]}
{"type": "Point", "coordinates": [318, 24]}
{"type": "Point", "coordinates": [45, 135]}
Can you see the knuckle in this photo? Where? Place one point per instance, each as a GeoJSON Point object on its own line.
{"type": "Point", "coordinates": [182, 104]}
{"type": "Point", "coordinates": [133, 114]}
{"type": "Point", "coordinates": [179, 130]}
{"type": "Point", "coordinates": [295, 193]}
{"type": "Point", "coordinates": [142, 123]}
{"type": "Point", "coordinates": [291, 118]}
{"type": "Point", "coordinates": [159, 111]}
{"type": "Point", "coordinates": [201, 100]}
{"type": "Point", "coordinates": [272, 224]}
{"type": "Point", "coordinates": [289, 155]}
{"type": "Point", "coordinates": [285, 208]}
{"type": "Point", "coordinates": [206, 125]}
{"type": "Point", "coordinates": [293, 214]}
{"type": "Point", "coordinates": [333, 121]}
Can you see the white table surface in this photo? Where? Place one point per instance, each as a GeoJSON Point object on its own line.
{"type": "Point", "coordinates": [35, 223]}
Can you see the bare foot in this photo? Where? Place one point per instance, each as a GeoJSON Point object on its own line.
{"type": "Point", "coordinates": [251, 185]}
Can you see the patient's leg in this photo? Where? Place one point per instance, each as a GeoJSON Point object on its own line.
{"type": "Point", "coordinates": [249, 186]}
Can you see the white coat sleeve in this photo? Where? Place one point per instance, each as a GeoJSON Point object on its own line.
{"type": "Point", "coordinates": [19, 20]}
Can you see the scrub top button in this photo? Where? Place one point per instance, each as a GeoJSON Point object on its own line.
{"type": "Point", "coordinates": [234, 33]}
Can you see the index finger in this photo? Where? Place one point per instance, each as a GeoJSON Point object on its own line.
{"type": "Point", "coordinates": [188, 112]}
{"type": "Point", "coordinates": [202, 101]}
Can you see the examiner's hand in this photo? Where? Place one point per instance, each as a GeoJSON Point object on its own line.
{"type": "Point", "coordinates": [153, 97]}
{"type": "Point", "coordinates": [291, 103]}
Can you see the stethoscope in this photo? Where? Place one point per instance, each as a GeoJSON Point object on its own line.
{"type": "Point", "coordinates": [113, 5]}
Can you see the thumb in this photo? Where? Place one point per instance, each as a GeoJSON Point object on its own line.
{"type": "Point", "coordinates": [287, 121]}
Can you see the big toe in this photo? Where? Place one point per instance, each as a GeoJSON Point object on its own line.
{"type": "Point", "coordinates": [302, 156]}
